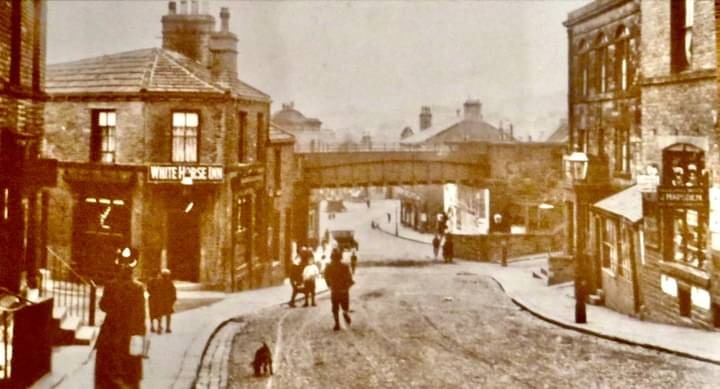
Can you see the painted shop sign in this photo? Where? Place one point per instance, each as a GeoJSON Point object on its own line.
{"type": "Point", "coordinates": [683, 197]}
{"type": "Point", "coordinates": [175, 173]}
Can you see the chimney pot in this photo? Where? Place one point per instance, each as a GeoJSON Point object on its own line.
{"type": "Point", "coordinates": [425, 118]}
{"type": "Point", "coordinates": [225, 19]}
{"type": "Point", "coordinates": [172, 8]}
{"type": "Point", "coordinates": [183, 7]}
{"type": "Point", "coordinates": [195, 7]}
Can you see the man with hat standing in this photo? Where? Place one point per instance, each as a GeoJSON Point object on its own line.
{"type": "Point", "coordinates": [123, 302]}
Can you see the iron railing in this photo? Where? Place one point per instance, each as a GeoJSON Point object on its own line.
{"type": "Point", "coordinates": [69, 289]}
{"type": "Point", "coordinates": [7, 330]}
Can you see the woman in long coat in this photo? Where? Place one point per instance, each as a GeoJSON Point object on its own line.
{"type": "Point", "coordinates": [123, 302]}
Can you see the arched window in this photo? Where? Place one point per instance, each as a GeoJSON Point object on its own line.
{"type": "Point", "coordinates": [686, 226]}
{"type": "Point", "coordinates": [601, 59]}
{"type": "Point", "coordinates": [582, 68]}
{"type": "Point", "coordinates": [622, 58]}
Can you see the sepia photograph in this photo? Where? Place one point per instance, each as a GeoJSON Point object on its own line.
{"type": "Point", "coordinates": [237, 194]}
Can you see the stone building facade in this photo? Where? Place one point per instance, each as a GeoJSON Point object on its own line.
{"type": "Point", "coordinates": [604, 121]}
{"type": "Point", "coordinates": [163, 149]}
{"type": "Point", "coordinates": [308, 132]}
{"type": "Point", "coordinates": [679, 273]}
{"type": "Point", "coordinates": [280, 177]}
{"type": "Point", "coordinates": [642, 223]}
{"type": "Point", "coordinates": [22, 172]}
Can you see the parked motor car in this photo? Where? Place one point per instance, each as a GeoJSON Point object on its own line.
{"type": "Point", "coordinates": [345, 239]}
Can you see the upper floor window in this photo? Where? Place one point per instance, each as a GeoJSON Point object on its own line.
{"type": "Point", "coordinates": [102, 136]}
{"type": "Point", "coordinates": [260, 135]}
{"type": "Point", "coordinates": [601, 59]}
{"type": "Point", "coordinates": [622, 151]}
{"type": "Point", "coordinates": [681, 26]}
{"type": "Point", "coordinates": [622, 59]}
{"type": "Point", "coordinates": [242, 134]}
{"type": "Point", "coordinates": [582, 69]}
{"type": "Point", "coordinates": [277, 172]}
{"type": "Point", "coordinates": [185, 136]}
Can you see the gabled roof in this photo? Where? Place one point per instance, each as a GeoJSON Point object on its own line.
{"type": "Point", "coordinates": [476, 130]}
{"type": "Point", "coordinates": [151, 70]}
{"type": "Point", "coordinates": [560, 135]}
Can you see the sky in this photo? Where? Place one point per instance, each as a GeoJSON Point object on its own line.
{"type": "Point", "coordinates": [365, 66]}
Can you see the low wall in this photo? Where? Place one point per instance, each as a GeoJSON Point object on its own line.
{"type": "Point", "coordinates": [489, 247]}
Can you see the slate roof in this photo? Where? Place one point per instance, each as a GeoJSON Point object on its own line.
{"type": "Point", "coordinates": [152, 70]}
{"type": "Point", "coordinates": [477, 130]}
{"type": "Point", "coordinates": [279, 135]}
{"type": "Point", "coordinates": [560, 135]}
{"type": "Point", "coordinates": [626, 203]}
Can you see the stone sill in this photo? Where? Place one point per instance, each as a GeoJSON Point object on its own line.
{"type": "Point", "coordinates": [686, 273]}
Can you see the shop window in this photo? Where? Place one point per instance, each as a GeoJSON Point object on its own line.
{"type": "Point", "coordinates": [111, 216]}
{"type": "Point", "coordinates": [681, 33]}
{"type": "Point", "coordinates": [686, 229]}
{"type": "Point", "coordinates": [610, 246]}
{"type": "Point", "coordinates": [102, 136]}
{"type": "Point", "coordinates": [185, 136]}
{"type": "Point", "coordinates": [242, 134]}
{"type": "Point", "coordinates": [622, 151]}
{"type": "Point", "coordinates": [684, 303]}
{"type": "Point", "coordinates": [689, 236]}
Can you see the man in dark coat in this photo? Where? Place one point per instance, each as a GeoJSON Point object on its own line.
{"type": "Point", "coordinates": [123, 302]}
{"type": "Point", "coordinates": [296, 274]}
{"type": "Point", "coordinates": [339, 280]}
{"type": "Point", "coordinates": [167, 295]}
{"type": "Point", "coordinates": [448, 250]}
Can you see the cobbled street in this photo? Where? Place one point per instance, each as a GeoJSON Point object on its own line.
{"type": "Point", "coordinates": [435, 326]}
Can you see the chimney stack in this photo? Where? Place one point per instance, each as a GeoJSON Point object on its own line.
{"type": "Point", "coordinates": [188, 34]}
{"type": "Point", "coordinates": [223, 49]}
{"type": "Point", "coordinates": [512, 136]}
{"type": "Point", "coordinates": [224, 19]}
{"type": "Point", "coordinates": [473, 110]}
{"type": "Point", "coordinates": [425, 118]}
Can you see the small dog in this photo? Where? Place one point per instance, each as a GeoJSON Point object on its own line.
{"type": "Point", "coordinates": [262, 364]}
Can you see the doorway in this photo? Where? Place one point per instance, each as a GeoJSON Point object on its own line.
{"type": "Point", "coordinates": [183, 244]}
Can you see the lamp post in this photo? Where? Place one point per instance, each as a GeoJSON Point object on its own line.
{"type": "Point", "coordinates": [577, 164]}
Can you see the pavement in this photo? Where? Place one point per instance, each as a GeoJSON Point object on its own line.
{"type": "Point", "coordinates": [176, 359]}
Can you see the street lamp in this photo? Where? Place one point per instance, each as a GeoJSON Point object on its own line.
{"type": "Point", "coordinates": [576, 166]}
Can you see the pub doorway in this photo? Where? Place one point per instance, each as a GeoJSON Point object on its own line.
{"type": "Point", "coordinates": [183, 244]}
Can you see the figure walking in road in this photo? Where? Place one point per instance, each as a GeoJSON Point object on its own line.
{"type": "Point", "coordinates": [339, 280]}
{"type": "Point", "coordinates": [353, 261]}
{"type": "Point", "coordinates": [436, 246]}
{"type": "Point", "coordinates": [123, 302]}
{"type": "Point", "coordinates": [296, 275]}
{"type": "Point", "coordinates": [310, 273]}
{"type": "Point", "coordinates": [447, 249]}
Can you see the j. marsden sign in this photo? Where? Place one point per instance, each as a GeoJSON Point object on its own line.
{"type": "Point", "coordinates": [175, 173]}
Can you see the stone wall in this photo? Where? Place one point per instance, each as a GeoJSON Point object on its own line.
{"type": "Point", "coordinates": [489, 247]}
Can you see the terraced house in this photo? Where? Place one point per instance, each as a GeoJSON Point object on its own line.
{"type": "Point", "coordinates": [163, 149]}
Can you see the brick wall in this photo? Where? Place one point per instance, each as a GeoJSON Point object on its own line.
{"type": "Point", "coordinates": [655, 45]}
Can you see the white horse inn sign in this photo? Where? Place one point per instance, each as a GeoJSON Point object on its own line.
{"type": "Point", "coordinates": [176, 173]}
